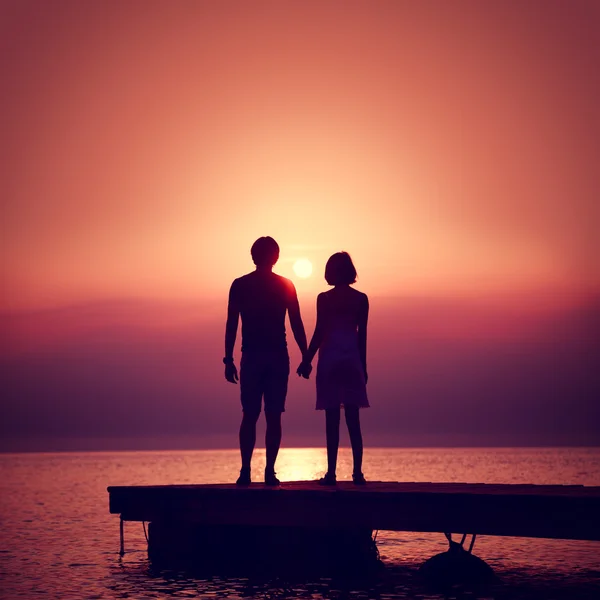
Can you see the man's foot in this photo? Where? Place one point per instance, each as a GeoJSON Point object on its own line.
{"type": "Point", "coordinates": [244, 478]}
{"type": "Point", "coordinates": [358, 478]}
{"type": "Point", "coordinates": [328, 479]}
{"type": "Point", "coordinates": [271, 479]}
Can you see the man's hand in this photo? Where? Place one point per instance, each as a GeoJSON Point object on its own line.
{"type": "Point", "coordinates": [231, 373]}
{"type": "Point", "coordinates": [304, 370]}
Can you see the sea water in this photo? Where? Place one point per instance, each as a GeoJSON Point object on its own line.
{"type": "Point", "coordinates": [58, 540]}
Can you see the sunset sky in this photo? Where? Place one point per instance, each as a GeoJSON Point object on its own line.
{"type": "Point", "coordinates": [451, 147]}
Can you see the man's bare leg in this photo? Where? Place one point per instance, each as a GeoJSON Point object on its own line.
{"type": "Point", "coordinates": [272, 443]}
{"type": "Point", "coordinates": [247, 442]}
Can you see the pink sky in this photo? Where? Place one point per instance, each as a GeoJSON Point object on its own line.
{"type": "Point", "coordinates": [451, 147]}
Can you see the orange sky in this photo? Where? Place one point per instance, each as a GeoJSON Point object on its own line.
{"type": "Point", "coordinates": [449, 147]}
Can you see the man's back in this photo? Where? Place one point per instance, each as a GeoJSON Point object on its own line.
{"type": "Point", "coordinates": [262, 298]}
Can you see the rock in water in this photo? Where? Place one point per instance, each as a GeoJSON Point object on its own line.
{"type": "Point", "coordinates": [456, 566]}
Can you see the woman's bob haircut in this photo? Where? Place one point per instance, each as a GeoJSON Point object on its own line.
{"type": "Point", "coordinates": [340, 269]}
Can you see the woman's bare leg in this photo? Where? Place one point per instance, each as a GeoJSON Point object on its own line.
{"type": "Point", "coordinates": [332, 431]}
{"type": "Point", "coordinates": [353, 423]}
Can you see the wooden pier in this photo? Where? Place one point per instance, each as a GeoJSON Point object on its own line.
{"type": "Point", "coordinates": [305, 523]}
{"type": "Point", "coordinates": [541, 511]}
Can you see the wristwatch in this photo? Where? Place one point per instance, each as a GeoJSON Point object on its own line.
{"type": "Point", "coordinates": [228, 361]}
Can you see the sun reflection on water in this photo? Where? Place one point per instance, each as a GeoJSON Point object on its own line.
{"type": "Point", "coordinates": [301, 464]}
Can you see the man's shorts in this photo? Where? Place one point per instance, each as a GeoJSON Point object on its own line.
{"type": "Point", "coordinates": [264, 373]}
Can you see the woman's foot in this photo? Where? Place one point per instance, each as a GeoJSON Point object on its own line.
{"type": "Point", "coordinates": [358, 478]}
{"type": "Point", "coordinates": [328, 479]}
{"type": "Point", "coordinates": [271, 479]}
{"type": "Point", "coordinates": [244, 478]}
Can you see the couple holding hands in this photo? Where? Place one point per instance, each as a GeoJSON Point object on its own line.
{"type": "Point", "coordinates": [262, 298]}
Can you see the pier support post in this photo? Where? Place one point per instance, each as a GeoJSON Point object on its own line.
{"type": "Point", "coordinates": [122, 537]}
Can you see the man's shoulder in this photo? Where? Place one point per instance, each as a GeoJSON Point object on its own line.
{"type": "Point", "coordinates": [242, 279]}
{"type": "Point", "coordinates": [285, 286]}
{"type": "Point", "coordinates": [252, 280]}
{"type": "Point", "coordinates": [283, 280]}
{"type": "Point", "coordinates": [240, 285]}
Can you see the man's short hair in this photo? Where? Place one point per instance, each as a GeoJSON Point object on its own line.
{"type": "Point", "coordinates": [265, 251]}
{"type": "Point", "coordinates": [340, 269]}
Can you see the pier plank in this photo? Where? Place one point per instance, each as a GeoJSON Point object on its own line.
{"type": "Point", "coordinates": [547, 511]}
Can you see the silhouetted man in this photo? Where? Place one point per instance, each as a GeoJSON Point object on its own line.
{"type": "Point", "coordinates": [262, 299]}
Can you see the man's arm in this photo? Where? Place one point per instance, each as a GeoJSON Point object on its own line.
{"type": "Point", "coordinates": [363, 317]}
{"type": "Point", "coordinates": [233, 316]}
{"type": "Point", "coordinates": [296, 321]}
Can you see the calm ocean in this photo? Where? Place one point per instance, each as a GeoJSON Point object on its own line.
{"type": "Point", "coordinates": [57, 539]}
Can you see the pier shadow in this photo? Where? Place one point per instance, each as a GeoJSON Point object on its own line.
{"type": "Point", "coordinates": [263, 551]}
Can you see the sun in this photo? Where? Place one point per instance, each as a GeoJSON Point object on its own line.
{"type": "Point", "coordinates": [303, 268]}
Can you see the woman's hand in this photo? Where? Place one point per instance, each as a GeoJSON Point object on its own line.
{"type": "Point", "coordinates": [304, 369]}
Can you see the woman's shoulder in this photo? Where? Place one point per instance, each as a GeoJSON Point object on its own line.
{"type": "Point", "coordinates": [322, 297]}
{"type": "Point", "coordinates": [360, 294]}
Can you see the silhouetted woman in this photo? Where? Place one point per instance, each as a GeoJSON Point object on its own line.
{"type": "Point", "coordinates": [341, 338]}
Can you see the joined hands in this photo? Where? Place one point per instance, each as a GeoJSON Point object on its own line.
{"type": "Point", "coordinates": [304, 370]}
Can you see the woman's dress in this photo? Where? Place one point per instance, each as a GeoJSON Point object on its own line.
{"type": "Point", "coordinates": [340, 374]}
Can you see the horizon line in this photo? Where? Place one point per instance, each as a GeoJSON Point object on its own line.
{"type": "Point", "coordinates": [560, 295]}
